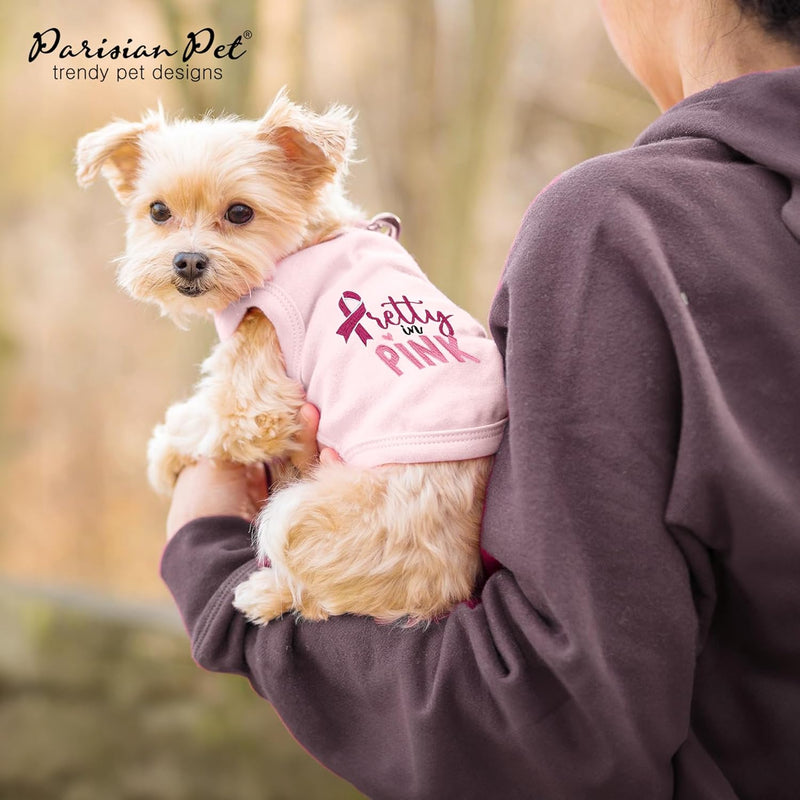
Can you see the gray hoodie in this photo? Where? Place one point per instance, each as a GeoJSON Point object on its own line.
{"type": "Point", "coordinates": [640, 637]}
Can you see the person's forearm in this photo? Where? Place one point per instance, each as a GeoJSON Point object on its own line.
{"type": "Point", "coordinates": [197, 562]}
{"type": "Point", "coordinates": [495, 701]}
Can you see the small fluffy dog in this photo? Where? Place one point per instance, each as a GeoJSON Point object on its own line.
{"type": "Point", "coordinates": [248, 220]}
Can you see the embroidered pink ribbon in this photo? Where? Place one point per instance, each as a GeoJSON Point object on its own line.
{"type": "Point", "coordinates": [353, 321]}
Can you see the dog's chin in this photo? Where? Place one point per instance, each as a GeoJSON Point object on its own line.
{"type": "Point", "coordinates": [181, 301]}
{"type": "Point", "coordinates": [191, 290]}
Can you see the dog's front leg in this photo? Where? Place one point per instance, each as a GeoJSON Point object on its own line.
{"type": "Point", "coordinates": [245, 408]}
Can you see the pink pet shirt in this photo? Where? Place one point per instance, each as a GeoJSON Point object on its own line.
{"type": "Point", "coordinates": [399, 373]}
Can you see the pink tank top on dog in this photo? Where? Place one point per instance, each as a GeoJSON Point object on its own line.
{"type": "Point", "coordinates": [399, 373]}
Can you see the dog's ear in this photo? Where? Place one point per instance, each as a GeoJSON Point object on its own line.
{"type": "Point", "coordinates": [115, 152]}
{"type": "Point", "coordinates": [317, 146]}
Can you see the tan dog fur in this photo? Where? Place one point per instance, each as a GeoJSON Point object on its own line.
{"type": "Point", "coordinates": [392, 542]}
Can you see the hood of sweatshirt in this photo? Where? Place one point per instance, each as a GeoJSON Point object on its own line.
{"type": "Point", "coordinates": [757, 115]}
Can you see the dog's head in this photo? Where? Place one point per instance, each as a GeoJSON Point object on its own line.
{"type": "Point", "coordinates": [212, 204]}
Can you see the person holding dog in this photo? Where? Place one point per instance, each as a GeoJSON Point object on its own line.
{"type": "Point", "coordinates": [638, 631]}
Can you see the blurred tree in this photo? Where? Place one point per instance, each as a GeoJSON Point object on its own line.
{"type": "Point", "coordinates": [451, 65]}
{"type": "Point", "coordinates": [466, 109]}
{"type": "Point", "coordinates": [297, 68]}
{"type": "Point", "coordinates": [468, 137]}
{"type": "Point", "coordinates": [228, 20]}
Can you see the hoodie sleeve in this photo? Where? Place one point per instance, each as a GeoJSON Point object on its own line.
{"type": "Point", "coordinates": [572, 677]}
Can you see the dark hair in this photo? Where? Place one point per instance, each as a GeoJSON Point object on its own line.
{"type": "Point", "coordinates": [779, 17]}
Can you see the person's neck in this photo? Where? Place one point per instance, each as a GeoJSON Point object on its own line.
{"type": "Point", "coordinates": [712, 50]}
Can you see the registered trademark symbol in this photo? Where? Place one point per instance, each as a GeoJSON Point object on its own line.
{"type": "Point", "coordinates": [248, 34]}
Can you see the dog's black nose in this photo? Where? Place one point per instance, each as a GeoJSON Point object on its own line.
{"type": "Point", "coordinates": [189, 265]}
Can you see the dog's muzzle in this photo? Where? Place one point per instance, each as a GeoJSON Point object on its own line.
{"type": "Point", "coordinates": [189, 269]}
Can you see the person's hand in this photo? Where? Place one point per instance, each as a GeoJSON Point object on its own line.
{"type": "Point", "coordinates": [309, 454]}
{"type": "Point", "coordinates": [211, 488]}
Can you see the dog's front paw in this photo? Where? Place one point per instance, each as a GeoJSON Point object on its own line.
{"type": "Point", "coordinates": [248, 438]}
{"type": "Point", "coordinates": [164, 462]}
{"type": "Point", "coordinates": [187, 434]}
{"type": "Point", "coordinates": [262, 598]}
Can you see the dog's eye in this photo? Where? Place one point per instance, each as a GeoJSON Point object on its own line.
{"type": "Point", "coordinates": [159, 212]}
{"type": "Point", "coordinates": [239, 214]}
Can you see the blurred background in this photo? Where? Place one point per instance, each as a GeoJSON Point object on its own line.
{"type": "Point", "coordinates": [466, 110]}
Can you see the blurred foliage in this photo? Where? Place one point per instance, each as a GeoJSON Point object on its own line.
{"type": "Point", "coordinates": [467, 108]}
{"type": "Point", "coordinates": [98, 708]}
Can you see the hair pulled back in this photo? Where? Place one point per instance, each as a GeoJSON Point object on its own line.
{"type": "Point", "coordinates": [779, 17]}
